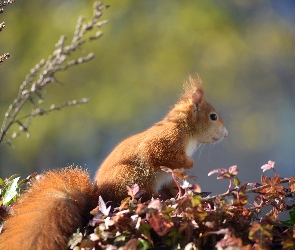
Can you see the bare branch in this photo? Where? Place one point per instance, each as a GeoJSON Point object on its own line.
{"type": "Point", "coordinates": [2, 26]}
{"type": "Point", "coordinates": [43, 74]}
{"type": "Point", "coordinates": [4, 57]}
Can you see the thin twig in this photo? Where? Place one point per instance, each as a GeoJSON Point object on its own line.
{"type": "Point", "coordinates": [43, 74]}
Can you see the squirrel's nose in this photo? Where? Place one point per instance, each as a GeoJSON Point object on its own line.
{"type": "Point", "coordinates": [225, 132]}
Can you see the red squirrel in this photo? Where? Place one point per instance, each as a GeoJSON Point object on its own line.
{"type": "Point", "coordinates": [60, 201]}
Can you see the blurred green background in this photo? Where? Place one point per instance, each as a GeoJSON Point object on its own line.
{"type": "Point", "coordinates": [243, 50]}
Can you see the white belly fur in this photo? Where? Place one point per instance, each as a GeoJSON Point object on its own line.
{"type": "Point", "coordinates": [191, 147]}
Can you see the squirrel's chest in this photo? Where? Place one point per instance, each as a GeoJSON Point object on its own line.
{"type": "Point", "coordinates": [191, 147]}
{"type": "Point", "coordinates": [163, 178]}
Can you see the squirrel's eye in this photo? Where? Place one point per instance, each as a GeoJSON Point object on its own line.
{"type": "Point", "coordinates": [213, 116]}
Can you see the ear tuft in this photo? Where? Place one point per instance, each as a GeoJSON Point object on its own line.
{"type": "Point", "coordinates": [194, 91]}
{"type": "Point", "coordinates": [195, 83]}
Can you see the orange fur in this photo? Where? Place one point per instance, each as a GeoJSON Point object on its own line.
{"type": "Point", "coordinates": [60, 201]}
{"type": "Point", "coordinates": [167, 143]}
{"type": "Point", "coordinates": [50, 211]}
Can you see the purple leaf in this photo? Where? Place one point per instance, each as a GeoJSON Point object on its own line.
{"type": "Point", "coordinates": [225, 173]}
{"type": "Point", "coordinates": [233, 170]}
{"type": "Point", "coordinates": [219, 170]}
{"type": "Point", "coordinates": [269, 165]}
{"type": "Point", "coordinates": [156, 204]}
{"type": "Point", "coordinates": [102, 207]}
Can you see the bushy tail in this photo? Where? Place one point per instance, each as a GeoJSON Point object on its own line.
{"type": "Point", "coordinates": [50, 211]}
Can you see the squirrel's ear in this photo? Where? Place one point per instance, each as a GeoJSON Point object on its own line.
{"type": "Point", "coordinates": [197, 99]}
{"type": "Point", "coordinates": [197, 90]}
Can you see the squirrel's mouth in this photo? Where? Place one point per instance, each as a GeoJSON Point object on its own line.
{"type": "Point", "coordinates": [212, 140]}
{"type": "Point", "coordinates": [215, 139]}
{"type": "Point", "coordinates": [220, 136]}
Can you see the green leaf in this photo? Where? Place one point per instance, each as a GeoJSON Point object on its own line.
{"type": "Point", "coordinates": [196, 200]}
{"type": "Point", "coordinates": [1, 181]}
{"type": "Point", "coordinates": [145, 229]}
{"type": "Point", "coordinates": [143, 244]}
{"type": "Point", "coordinates": [173, 238]}
{"type": "Point", "coordinates": [237, 182]}
{"type": "Point", "coordinates": [10, 191]}
{"type": "Point", "coordinates": [290, 222]}
{"type": "Point", "coordinates": [13, 177]}
{"type": "Point", "coordinates": [74, 240]}
{"type": "Point", "coordinates": [292, 215]}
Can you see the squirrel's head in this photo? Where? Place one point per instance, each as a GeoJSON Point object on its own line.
{"type": "Point", "coordinates": [204, 123]}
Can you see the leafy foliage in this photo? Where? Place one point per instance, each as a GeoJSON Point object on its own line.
{"type": "Point", "coordinates": [9, 191]}
{"type": "Point", "coordinates": [191, 221]}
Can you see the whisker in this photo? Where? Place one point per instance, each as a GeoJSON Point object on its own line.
{"type": "Point", "coordinates": [201, 146]}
